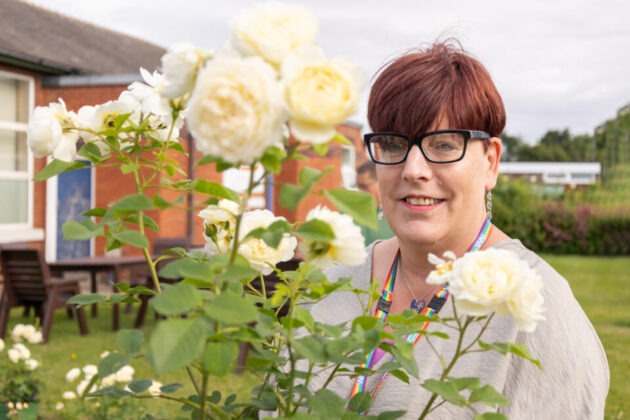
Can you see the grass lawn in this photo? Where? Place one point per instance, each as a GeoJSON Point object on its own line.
{"type": "Point", "coordinates": [67, 349]}
{"type": "Point", "coordinates": [602, 286]}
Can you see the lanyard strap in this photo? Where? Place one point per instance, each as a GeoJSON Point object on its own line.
{"type": "Point", "coordinates": [385, 302]}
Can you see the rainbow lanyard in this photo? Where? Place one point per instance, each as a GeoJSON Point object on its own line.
{"type": "Point", "coordinates": [385, 302]}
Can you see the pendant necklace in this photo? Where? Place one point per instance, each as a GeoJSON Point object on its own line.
{"type": "Point", "coordinates": [416, 305]}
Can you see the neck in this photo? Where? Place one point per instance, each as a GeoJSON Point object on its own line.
{"type": "Point", "coordinates": [415, 255]}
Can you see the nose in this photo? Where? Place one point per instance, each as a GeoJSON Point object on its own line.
{"type": "Point", "coordinates": [416, 167]}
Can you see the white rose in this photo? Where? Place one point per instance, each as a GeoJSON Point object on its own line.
{"type": "Point", "coordinates": [101, 117]}
{"type": "Point", "coordinates": [1, 344]}
{"type": "Point", "coordinates": [180, 65]}
{"type": "Point", "coordinates": [443, 268]}
{"type": "Point", "coordinates": [236, 109]}
{"type": "Point", "coordinates": [154, 389]}
{"type": "Point", "coordinates": [31, 364]}
{"type": "Point", "coordinates": [59, 406]}
{"type": "Point", "coordinates": [14, 355]}
{"type": "Point", "coordinates": [25, 353]}
{"type": "Point", "coordinates": [28, 332]}
{"type": "Point", "coordinates": [69, 395]}
{"type": "Point", "coordinates": [109, 380]}
{"type": "Point", "coordinates": [18, 330]}
{"type": "Point", "coordinates": [90, 370]}
{"type": "Point", "coordinates": [125, 374]}
{"type": "Point", "coordinates": [18, 406]}
{"type": "Point", "coordinates": [319, 93]}
{"type": "Point", "coordinates": [104, 354]}
{"type": "Point", "coordinates": [218, 225]}
{"type": "Point", "coordinates": [73, 374]}
{"type": "Point", "coordinates": [273, 30]}
{"type": "Point", "coordinates": [49, 132]}
{"type": "Point", "coordinates": [497, 280]}
{"type": "Point", "coordinates": [348, 246]}
{"type": "Point", "coordinates": [37, 337]}
{"type": "Point", "coordinates": [81, 388]}
{"type": "Point", "coordinates": [255, 250]}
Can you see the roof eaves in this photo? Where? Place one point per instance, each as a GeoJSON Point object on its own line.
{"type": "Point", "coordinates": [91, 80]}
{"type": "Point", "coordinates": [37, 64]}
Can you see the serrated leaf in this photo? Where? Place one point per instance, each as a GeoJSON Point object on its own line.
{"type": "Point", "coordinates": [359, 205]}
{"type": "Point", "coordinates": [87, 299]}
{"type": "Point", "coordinates": [133, 202]}
{"type": "Point", "coordinates": [129, 342]}
{"type": "Point", "coordinates": [446, 390]}
{"type": "Point", "coordinates": [218, 358]}
{"type": "Point", "coordinates": [132, 237]}
{"type": "Point", "coordinates": [138, 386]}
{"type": "Point", "coordinates": [315, 230]}
{"type": "Point", "coordinates": [57, 167]}
{"type": "Point", "coordinates": [81, 230]}
{"type": "Point", "coordinates": [215, 189]}
{"type": "Point", "coordinates": [489, 396]}
{"type": "Point", "coordinates": [362, 401]}
{"type": "Point", "coordinates": [177, 299]}
{"type": "Point", "coordinates": [231, 308]}
{"type": "Point", "coordinates": [175, 343]}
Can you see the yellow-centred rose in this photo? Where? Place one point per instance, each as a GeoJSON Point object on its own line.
{"type": "Point", "coordinates": [319, 93]}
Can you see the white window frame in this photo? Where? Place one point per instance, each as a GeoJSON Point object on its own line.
{"type": "Point", "coordinates": [20, 232]}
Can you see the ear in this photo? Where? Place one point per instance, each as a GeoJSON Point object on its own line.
{"type": "Point", "coordinates": [493, 156]}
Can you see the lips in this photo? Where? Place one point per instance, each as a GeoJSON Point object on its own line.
{"type": "Point", "coordinates": [422, 201]}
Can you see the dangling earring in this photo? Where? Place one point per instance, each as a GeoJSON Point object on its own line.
{"type": "Point", "coordinates": [380, 213]}
{"type": "Point", "coordinates": [489, 205]}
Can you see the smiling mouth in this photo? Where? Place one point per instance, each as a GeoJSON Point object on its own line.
{"type": "Point", "coordinates": [422, 201]}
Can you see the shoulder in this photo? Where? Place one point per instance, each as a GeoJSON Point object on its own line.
{"type": "Point", "coordinates": [573, 361]}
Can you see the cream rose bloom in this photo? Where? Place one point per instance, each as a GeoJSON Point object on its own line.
{"type": "Point", "coordinates": [49, 132]}
{"type": "Point", "coordinates": [1, 344]}
{"type": "Point", "coordinates": [69, 395]}
{"type": "Point", "coordinates": [218, 226]}
{"type": "Point", "coordinates": [236, 109]}
{"type": "Point", "coordinates": [255, 250]}
{"type": "Point", "coordinates": [14, 355]}
{"type": "Point", "coordinates": [73, 374]}
{"type": "Point", "coordinates": [94, 119]}
{"type": "Point", "coordinates": [348, 246]}
{"type": "Point", "coordinates": [154, 389]}
{"type": "Point", "coordinates": [497, 280]}
{"type": "Point", "coordinates": [125, 374]}
{"type": "Point", "coordinates": [31, 364]}
{"type": "Point", "coordinates": [180, 65]}
{"type": "Point", "coordinates": [319, 93]}
{"type": "Point", "coordinates": [273, 30]}
{"type": "Point", "coordinates": [25, 353]}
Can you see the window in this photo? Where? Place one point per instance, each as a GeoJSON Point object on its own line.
{"type": "Point", "coordinates": [348, 173]}
{"type": "Point", "coordinates": [16, 98]}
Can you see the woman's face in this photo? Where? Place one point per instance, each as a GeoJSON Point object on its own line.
{"type": "Point", "coordinates": [439, 204]}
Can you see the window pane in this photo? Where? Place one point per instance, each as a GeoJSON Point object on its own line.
{"type": "Point", "coordinates": [13, 156]}
{"type": "Point", "coordinates": [17, 211]}
{"type": "Point", "coordinates": [14, 104]}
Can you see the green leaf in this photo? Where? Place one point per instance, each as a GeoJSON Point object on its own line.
{"type": "Point", "coordinates": [315, 230]}
{"type": "Point", "coordinates": [238, 272]}
{"type": "Point", "coordinates": [291, 195]}
{"type": "Point", "coordinates": [489, 396]}
{"type": "Point", "coordinates": [56, 167]}
{"type": "Point", "coordinates": [309, 176]}
{"type": "Point", "coordinates": [110, 364]}
{"type": "Point", "coordinates": [175, 343]}
{"type": "Point", "coordinates": [218, 359]}
{"type": "Point", "coordinates": [161, 203]}
{"type": "Point", "coordinates": [177, 299]}
{"type": "Point", "coordinates": [310, 348]}
{"type": "Point", "coordinates": [81, 230]}
{"type": "Point", "coordinates": [340, 138]}
{"type": "Point", "coordinates": [446, 390]}
{"type": "Point", "coordinates": [491, 416]}
{"type": "Point", "coordinates": [231, 308]}
{"type": "Point", "coordinates": [390, 415]}
{"type": "Point", "coordinates": [361, 206]}
{"type": "Point", "coordinates": [148, 222]}
{"type": "Point", "coordinates": [471, 383]}
{"type": "Point", "coordinates": [95, 212]}
{"type": "Point", "coordinates": [110, 392]}
{"type": "Point", "coordinates": [518, 349]}
{"type": "Point", "coordinates": [400, 375]}
{"type": "Point", "coordinates": [215, 189]}
{"type": "Point", "coordinates": [272, 159]}
{"type": "Point", "coordinates": [91, 152]}
{"type": "Point", "coordinates": [361, 402]}
{"type": "Point", "coordinates": [133, 202]}
{"type": "Point", "coordinates": [87, 299]}
{"type": "Point", "coordinates": [138, 386]}
{"type": "Point", "coordinates": [320, 149]}
{"type": "Point", "coordinates": [132, 237]}
{"type": "Point", "coordinates": [129, 342]}
{"type": "Point", "coordinates": [120, 119]}
{"type": "Point", "coordinates": [305, 316]}
{"type": "Point", "coordinates": [170, 388]}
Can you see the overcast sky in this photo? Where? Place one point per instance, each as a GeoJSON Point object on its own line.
{"type": "Point", "coordinates": [557, 64]}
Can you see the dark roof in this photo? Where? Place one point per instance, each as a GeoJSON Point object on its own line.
{"type": "Point", "coordinates": [34, 38]}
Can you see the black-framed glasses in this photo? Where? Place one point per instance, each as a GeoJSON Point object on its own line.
{"type": "Point", "coordinates": [442, 146]}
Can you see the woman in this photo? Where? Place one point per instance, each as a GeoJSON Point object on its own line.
{"type": "Point", "coordinates": [432, 188]}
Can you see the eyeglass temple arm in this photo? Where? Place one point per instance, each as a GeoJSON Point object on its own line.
{"type": "Point", "coordinates": [479, 135]}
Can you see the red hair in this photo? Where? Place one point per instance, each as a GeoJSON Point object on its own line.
{"type": "Point", "coordinates": [414, 92]}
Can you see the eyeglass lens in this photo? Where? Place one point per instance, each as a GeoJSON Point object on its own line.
{"type": "Point", "coordinates": [442, 147]}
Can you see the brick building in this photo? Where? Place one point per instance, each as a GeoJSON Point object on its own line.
{"type": "Point", "coordinates": [45, 56]}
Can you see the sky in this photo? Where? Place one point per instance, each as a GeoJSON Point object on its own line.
{"type": "Point", "coordinates": [557, 64]}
